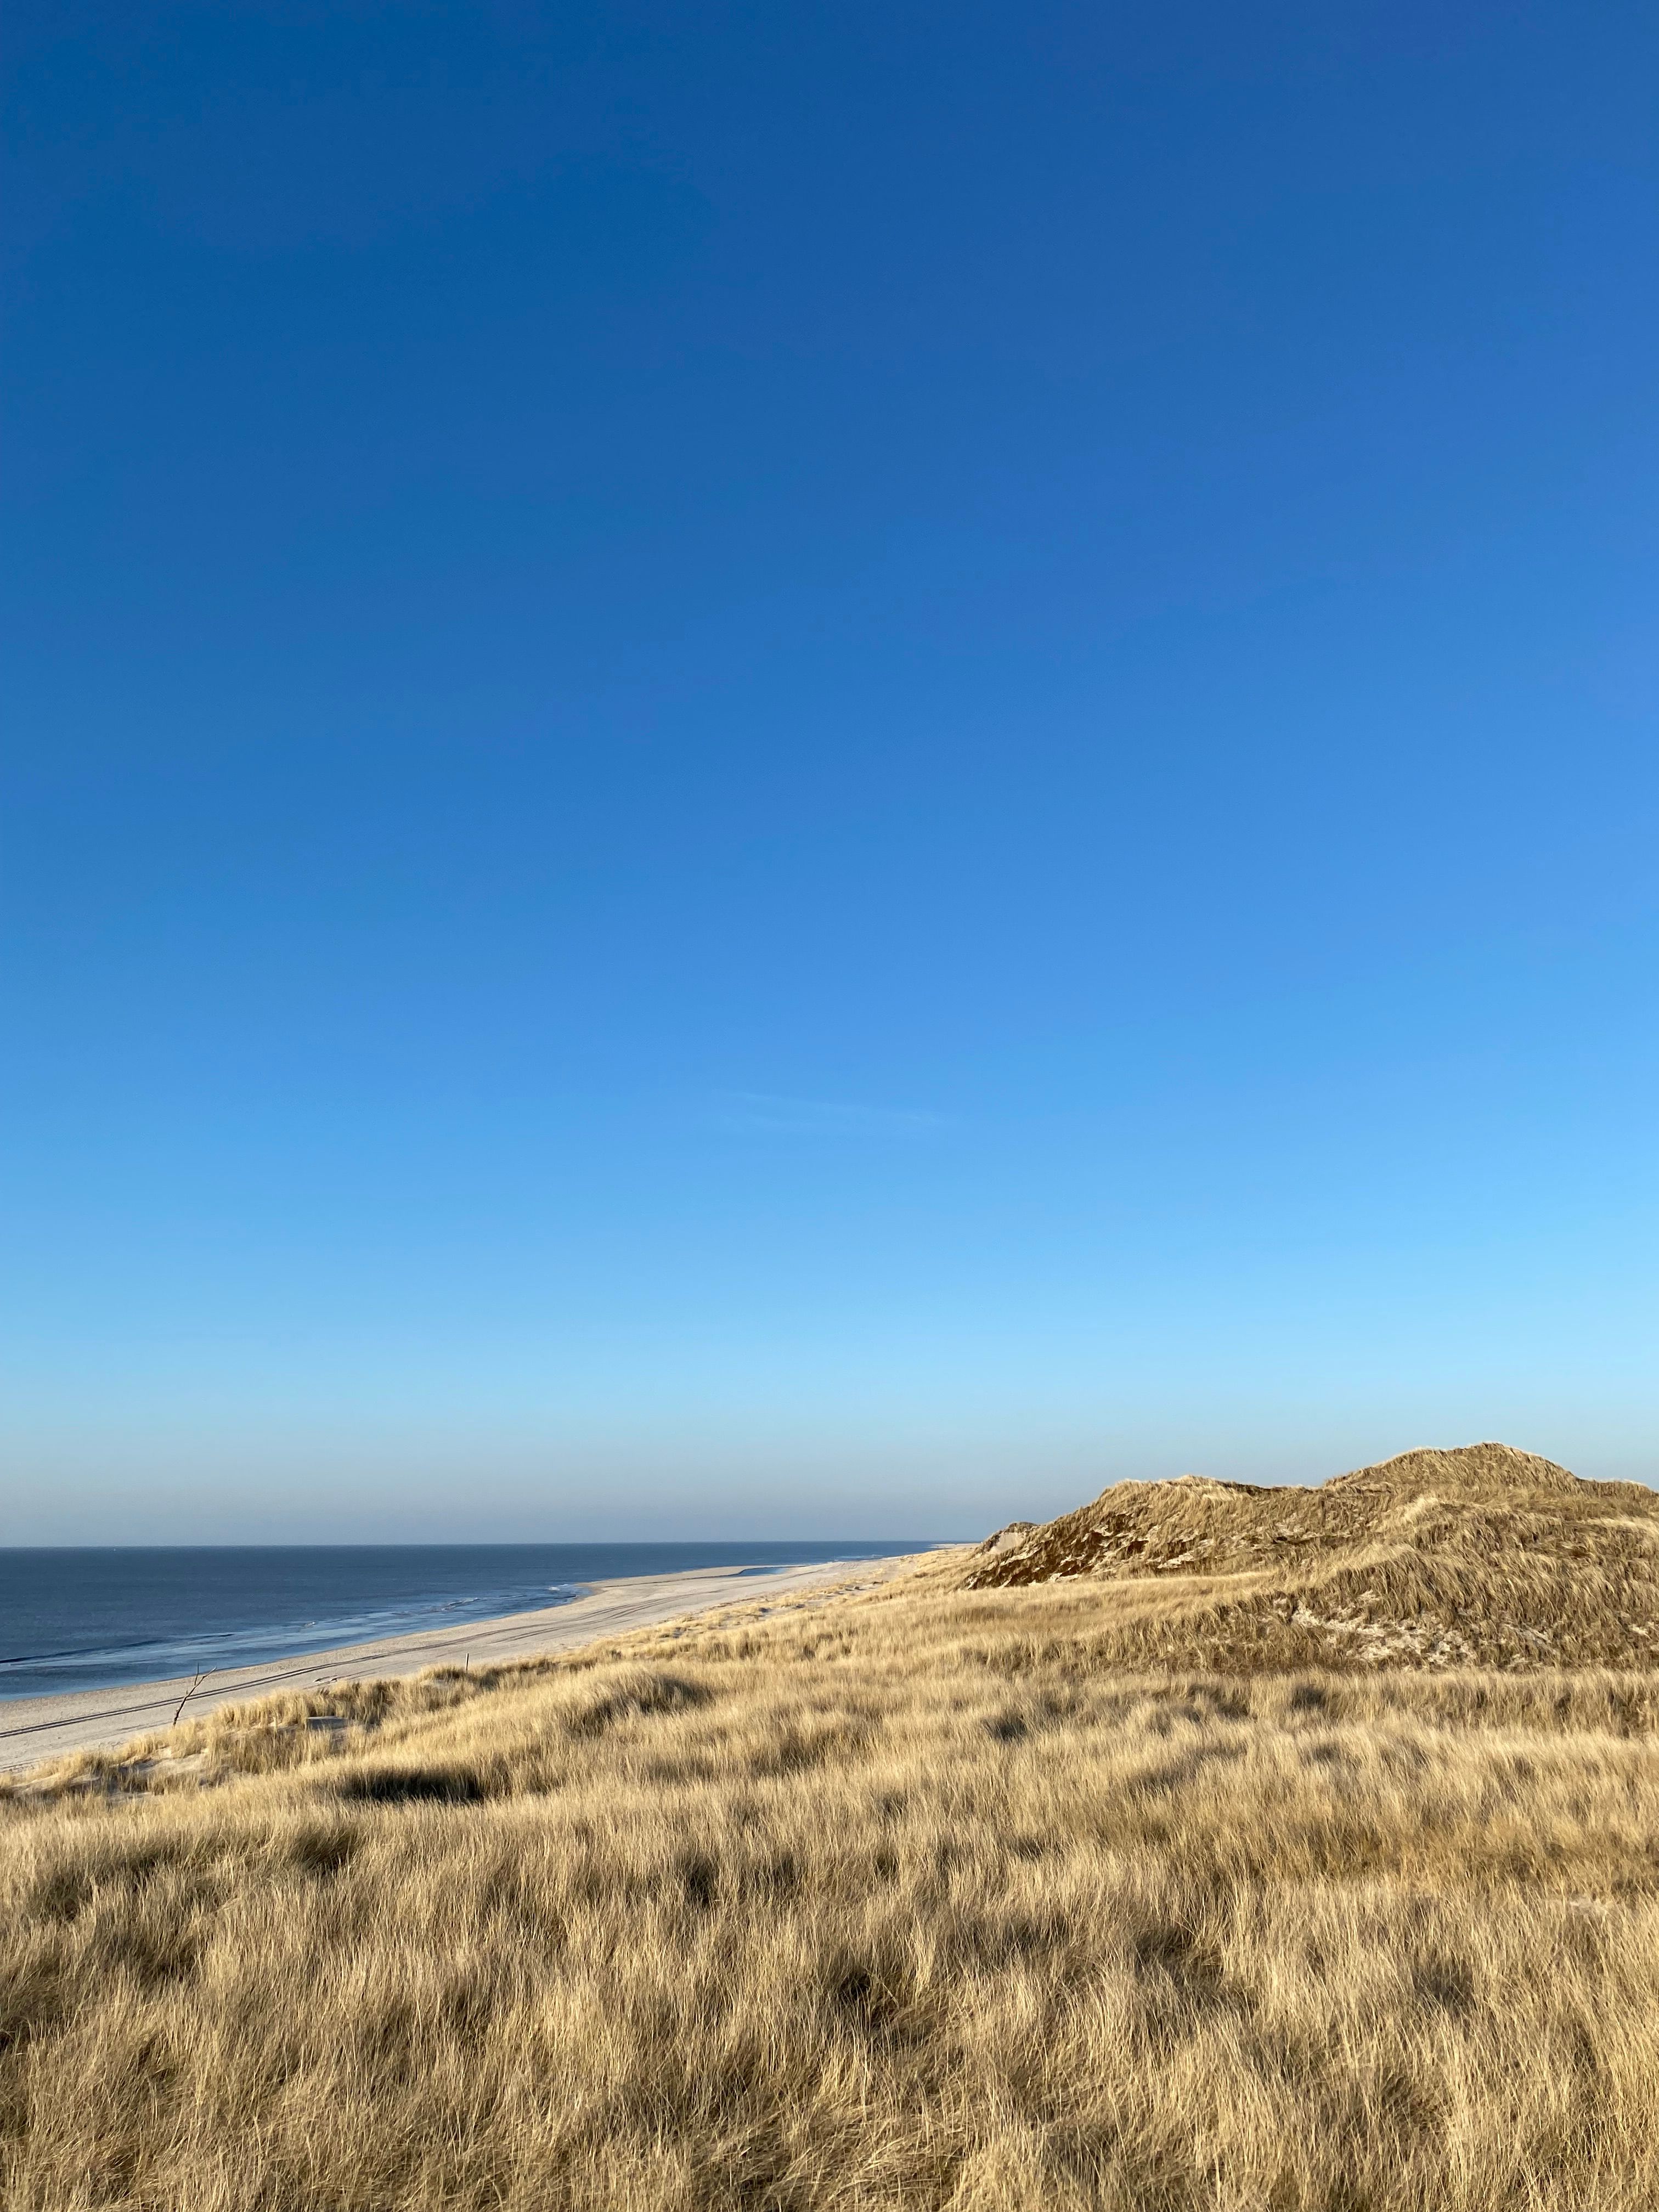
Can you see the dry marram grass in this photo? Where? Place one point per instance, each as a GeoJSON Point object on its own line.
{"type": "Point", "coordinates": [911, 1898]}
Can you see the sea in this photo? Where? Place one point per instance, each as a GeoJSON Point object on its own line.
{"type": "Point", "coordinates": [85, 1618]}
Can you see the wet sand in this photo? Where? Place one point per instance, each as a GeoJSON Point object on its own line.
{"type": "Point", "coordinates": [34, 1729]}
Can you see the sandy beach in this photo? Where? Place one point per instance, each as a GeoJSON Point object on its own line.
{"type": "Point", "coordinates": [34, 1729]}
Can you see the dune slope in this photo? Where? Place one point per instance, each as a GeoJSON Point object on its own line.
{"type": "Point", "coordinates": [1485, 1556]}
{"type": "Point", "coordinates": [913, 1898]}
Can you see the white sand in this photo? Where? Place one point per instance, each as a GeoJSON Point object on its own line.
{"type": "Point", "coordinates": [34, 1729]}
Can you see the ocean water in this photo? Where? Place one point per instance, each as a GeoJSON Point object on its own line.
{"type": "Point", "coordinates": [87, 1619]}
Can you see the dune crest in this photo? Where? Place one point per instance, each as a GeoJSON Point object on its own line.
{"type": "Point", "coordinates": [1483, 1556]}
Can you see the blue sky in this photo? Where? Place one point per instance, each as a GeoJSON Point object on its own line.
{"type": "Point", "coordinates": [820, 770]}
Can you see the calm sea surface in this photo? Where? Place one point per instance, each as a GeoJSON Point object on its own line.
{"type": "Point", "coordinates": [85, 1619]}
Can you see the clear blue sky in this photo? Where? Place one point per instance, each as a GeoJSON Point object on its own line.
{"type": "Point", "coordinates": [820, 769]}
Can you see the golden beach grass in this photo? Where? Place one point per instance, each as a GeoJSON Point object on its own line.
{"type": "Point", "coordinates": [910, 1898]}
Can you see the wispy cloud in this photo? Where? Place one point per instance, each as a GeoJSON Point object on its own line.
{"type": "Point", "coordinates": [818, 1118]}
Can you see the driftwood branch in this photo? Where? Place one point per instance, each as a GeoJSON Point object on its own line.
{"type": "Point", "coordinates": [190, 1692]}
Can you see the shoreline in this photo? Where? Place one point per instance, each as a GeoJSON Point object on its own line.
{"type": "Point", "coordinates": [34, 1730]}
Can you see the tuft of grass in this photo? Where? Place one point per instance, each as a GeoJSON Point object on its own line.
{"type": "Point", "coordinates": [911, 1899]}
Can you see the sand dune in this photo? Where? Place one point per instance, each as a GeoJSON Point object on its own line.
{"type": "Point", "coordinates": [909, 1897]}
{"type": "Point", "coordinates": [1485, 1556]}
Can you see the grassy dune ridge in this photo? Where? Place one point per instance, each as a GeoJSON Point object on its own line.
{"type": "Point", "coordinates": [912, 1897]}
{"type": "Point", "coordinates": [1482, 1556]}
